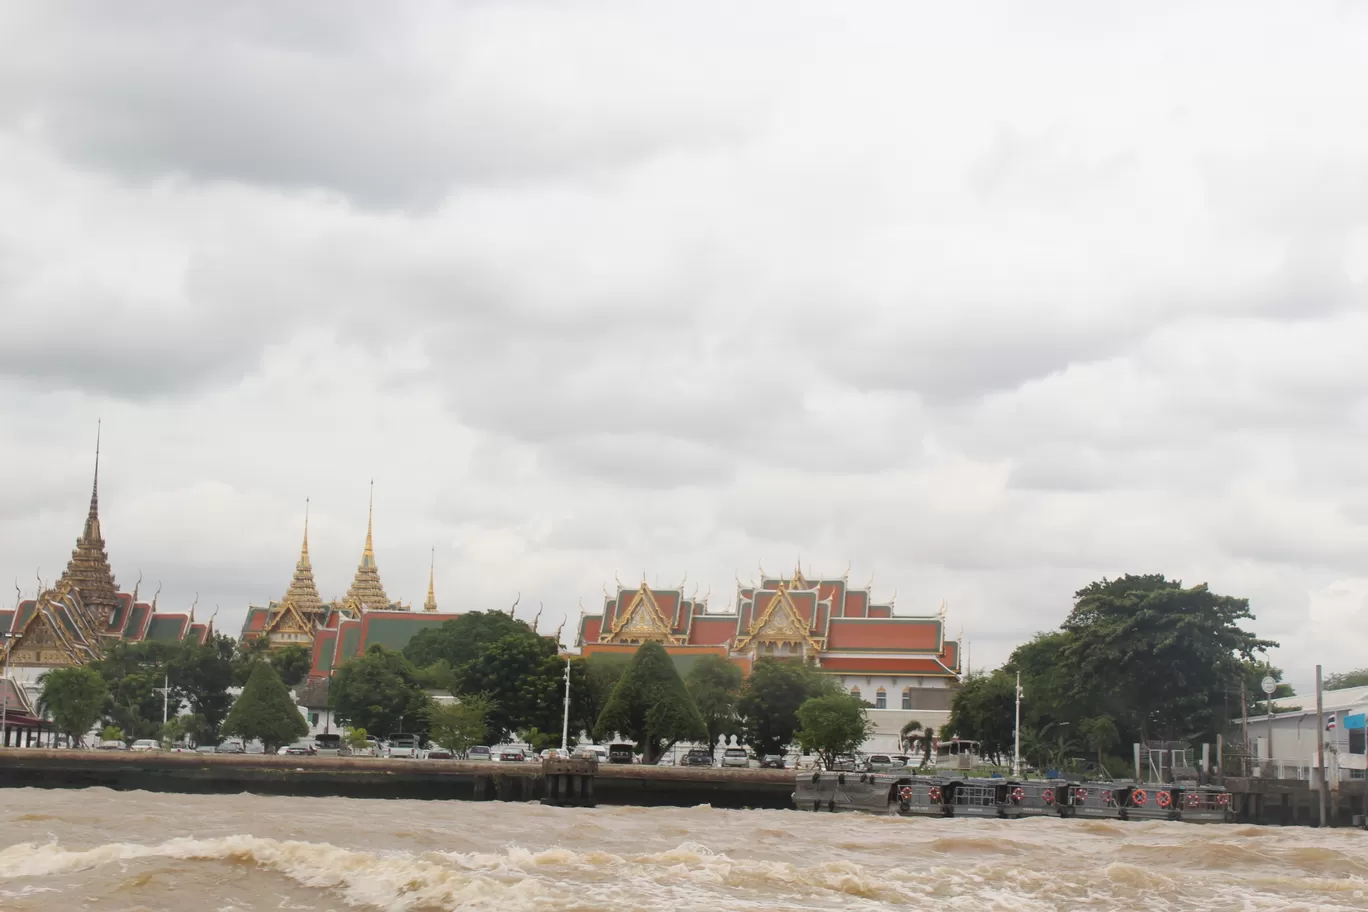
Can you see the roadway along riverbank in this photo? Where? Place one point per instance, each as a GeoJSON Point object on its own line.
{"type": "Point", "coordinates": [366, 777]}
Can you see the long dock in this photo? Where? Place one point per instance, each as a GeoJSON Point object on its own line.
{"type": "Point", "coordinates": [366, 777]}
{"type": "Point", "coordinates": [1261, 801]}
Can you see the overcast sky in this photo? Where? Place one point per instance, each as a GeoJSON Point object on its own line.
{"type": "Point", "coordinates": [985, 303]}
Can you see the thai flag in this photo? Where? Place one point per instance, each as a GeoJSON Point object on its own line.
{"type": "Point", "coordinates": [1331, 724]}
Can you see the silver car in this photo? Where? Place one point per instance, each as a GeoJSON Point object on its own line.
{"type": "Point", "coordinates": [736, 757]}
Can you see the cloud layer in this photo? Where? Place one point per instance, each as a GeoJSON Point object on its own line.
{"type": "Point", "coordinates": [983, 304]}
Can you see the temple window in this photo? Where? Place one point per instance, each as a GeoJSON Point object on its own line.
{"type": "Point", "coordinates": [855, 692]}
{"type": "Point", "coordinates": [907, 698]}
{"type": "Point", "coordinates": [881, 699]}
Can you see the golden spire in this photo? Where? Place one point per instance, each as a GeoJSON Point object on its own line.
{"type": "Point", "coordinates": [431, 603]}
{"type": "Point", "coordinates": [366, 588]}
{"type": "Point", "coordinates": [303, 592]}
{"type": "Point", "coordinates": [88, 570]}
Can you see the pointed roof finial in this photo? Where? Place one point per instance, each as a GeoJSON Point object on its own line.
{"type": "Point", "coordinates": [370, 519]}
{"type": "Point", "coordinates": [92, 523]}
{"type": "Point", "coordinates": [366, 588]}
{"type": "Point", "coordinates": [431, 603]}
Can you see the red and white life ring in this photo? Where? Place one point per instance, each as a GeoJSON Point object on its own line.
{"type": "Point", "coordinates": [1164, 798]}
{"type": "Point", "coordinates": [1048, 795]}
{"type": "Point", "coordinates": [1018, 793]}
{"type": "Point", "coordinates": [934, 793]}
{"type": "Point", "coordinates": [1193, 799]}
{"type": "Point", "coordinates": [1139, 797]}
{"type": "Point", "coordinates": [905, 793]}
{"type": "Point", "coordinates": [1081, 794]}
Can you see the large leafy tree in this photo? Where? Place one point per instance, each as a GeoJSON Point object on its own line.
{"type": "Point", "coordinates": [715, 686]}
{"type": "Point", "coordinates": [292, 663]}
{"type": "Point", "coordinates": [1157, 655]}
{"type": "Point", "coordinates": [200, 677]}
{"type": "Point", "coordinates": [461, 640]}
{"type": "Point", "coordinates": [983, 710]}
{"type": "Point", "coordinates": [379, 692]}
{"type": "Point", "coordinates": [135, 674]}
{"type": "Point", "coordinates": [523, 677]}
{"type": "Point", "coordinates": [770, 700]}
{"type": "Point", "coordinates": [651, 706]}
{"type": "Point", "coordinates": [833, 725]}
{"type": "Point", "coordinates": [74, 699]}
{"type": "Point", "coordinates": [265, 712]}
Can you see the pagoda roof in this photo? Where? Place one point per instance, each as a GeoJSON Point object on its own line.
{"type": "Point", "coordinates": [366, 590]}
{"type": "Point", "coordinates": [303, 591]}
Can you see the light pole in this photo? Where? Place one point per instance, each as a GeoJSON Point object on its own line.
{"type": "Point", "coordinates": [10, 639]}
{"type": "Point", "coordinates": [565, 721]}
{"type": "Point", "coordinates": [1016, 749]}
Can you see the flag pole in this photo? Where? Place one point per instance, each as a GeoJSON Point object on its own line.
{"type": "Point", "coordinates": [1016, 748]}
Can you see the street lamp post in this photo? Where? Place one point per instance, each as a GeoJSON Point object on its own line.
{"type": "Point", "coordinates": [565, 721]}
{"type": "Point", "coordinates": [10, 638]}
{"type": "Point", "coordinates": [1016, 749]}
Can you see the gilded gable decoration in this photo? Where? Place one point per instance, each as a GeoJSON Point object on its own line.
{"type": "Point", "coordinates": [641, 621]}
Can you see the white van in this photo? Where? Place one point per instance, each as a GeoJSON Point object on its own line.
{"type": "Point", "coordinates": [598, 749]}
{"type": "Point", "coordinates": [402, 747]}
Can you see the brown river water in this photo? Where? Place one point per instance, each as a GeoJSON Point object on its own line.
{"type": "Point", "coordinates": [97, 849]}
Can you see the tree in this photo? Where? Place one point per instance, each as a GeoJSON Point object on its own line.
{"type": "Point", "coordinates": [246, 654]}
{"type": "Point", "coordinates": [1156, 655]}
{"type": "Point", "coordinates": [770, 700]}
{"type": "Point", "coordinates": [928, 738]}
{"type": "Point", "coordinates": [651, 706]}
{"type": "Point", "coordinates": [380, 692]}
{"type": "Point", "coordinates": [461, 640]}
{"type": "Point", "coordinates": [833, 725]}
{"type": "Point", "coordinates": [112, 733]}
{"type": "Point", "coordinates": [599, 675]}
{"type": "Point", "coordinates": [356, 737]}
{"type": "Point", "coordinates": [1340, 680]}
{"type": "Point", "coordinates": [1100, 734]}
{"type": "Point", "coordinates": [715, 686]}
{"type": "Point", "coordinates": [74, 699]}
{"type": "Point", "coordinates": [522, 677]}
{"type": "Point", "coordinates": [292, 663]}
{"type": "Point", "coordinates": [265, 712]}
{"type": "Point", "coordinates": [983, 710]}
{"type": "Point", "coordinates": [460, 726]}
{"type": "Point", "coordinates": [200, 677]}
{"type": "Point", "coordinates": [910, 734]}
{"type": "Point", "coordinates": [135, 674]}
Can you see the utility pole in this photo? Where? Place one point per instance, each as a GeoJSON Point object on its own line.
{"type": "Point", "coordinates": [1016, 749]}
{"type": "Point", "coordinates": [166, 694]}
{"type": "Point", "coordinates": [565, 721]}
{"type": "Point", "coordinates": [1320, 745]}
{"type": "Point", "coordinates": [10, 639]}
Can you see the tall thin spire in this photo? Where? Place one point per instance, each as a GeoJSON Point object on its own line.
{"type": "Point", "coordinates": [366, 588]}
{"type": "Point", "coordinates": [303, 591]}
{"type": "Point", "coordinates": [431, 603]}
{"type": "Point", "coordinates": [88, 570]}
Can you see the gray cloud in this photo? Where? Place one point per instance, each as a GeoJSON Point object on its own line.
{"type": "Point", "coordinates": [987, 304]}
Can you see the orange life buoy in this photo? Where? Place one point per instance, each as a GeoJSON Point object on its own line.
{"type": "Point", "coordinates": [1018, 793]}
{"type": "Point", "coordinates": [1138, 797]}
{"type": "Point", "coordinates": [934, 793]}
{"type": "Point", "coordinates": [1164, 799]}
{"type": "Point", "coordinates": [905, 793]}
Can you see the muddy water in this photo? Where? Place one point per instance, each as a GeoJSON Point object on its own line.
{"type": "Point", "coordinates": [96, 849]}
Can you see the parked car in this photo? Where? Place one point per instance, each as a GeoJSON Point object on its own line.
{"type": "Point", "coordinates": [878, 763]}
{"type": "Point", "coordinates": [512, 755]}
{"type": "Point", "coordinates": [696, 757]}
{"type": "Point", "coordinates": [206, 749]}
{"type": "Point", "coordinates": [440, 753]}
{"type": "Point", "coordinates": [402, 747]}
{"type": "Point", "coordinates": [555, 753]}
{"type": "Point", "coordinates": [298, 749]}
{"type": "Point", "coordinates": [735, 757]}
{"type": "Point", "coordinates": [772, 762]}
{"type": "Point", "coordinates": [598, 750]}
{"type": "Point", "coordinates": [621, 753]}
{"type": "Point", "coordinates": [844, 763]}
{"type": "Point", "coordinates": [112, 746]}
{"type": "Point", "coordinates": [330, 745]}
{"type": "Point", "coordinates": [480, 752]}
{"type": "Point", "coordinates": [231, 747]}
{"type": "Point", "coordinates": [146, 744]}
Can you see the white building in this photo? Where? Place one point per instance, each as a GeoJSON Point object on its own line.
{"type": "Point", "coordinates": [1285, 743]}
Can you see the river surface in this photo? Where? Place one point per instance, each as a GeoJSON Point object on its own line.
{"type": "Point", "coordinates": [102, 850]}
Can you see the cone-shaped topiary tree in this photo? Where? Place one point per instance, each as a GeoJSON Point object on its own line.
{"type": "Point", "coordinates": [265, 711]}
{"type": "Point", "coordinates": [651, 706]}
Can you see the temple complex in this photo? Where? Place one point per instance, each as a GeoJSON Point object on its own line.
{"type": "Point", "coordinates": [346, 627]}
{"type": "Point", "coordinates": [74, 621]}
{"type": "Point", "coordinates": [890, 661]}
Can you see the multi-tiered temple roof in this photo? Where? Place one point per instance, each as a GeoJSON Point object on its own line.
{"type": "Point", "coordinates": [837, 627]}
{"type": "Point", "coordinates": [73, 622]}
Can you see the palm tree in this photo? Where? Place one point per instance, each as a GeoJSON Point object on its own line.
{"type": "Point", "coordinates": [928, 735]}
{"type": "Point", "coordinates": [909, 734]}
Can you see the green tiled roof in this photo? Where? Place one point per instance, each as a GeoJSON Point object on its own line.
{"type": "Point", "coordinates": [166, 629]}
{"type": "Point", "coordinates": [395, 633]}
